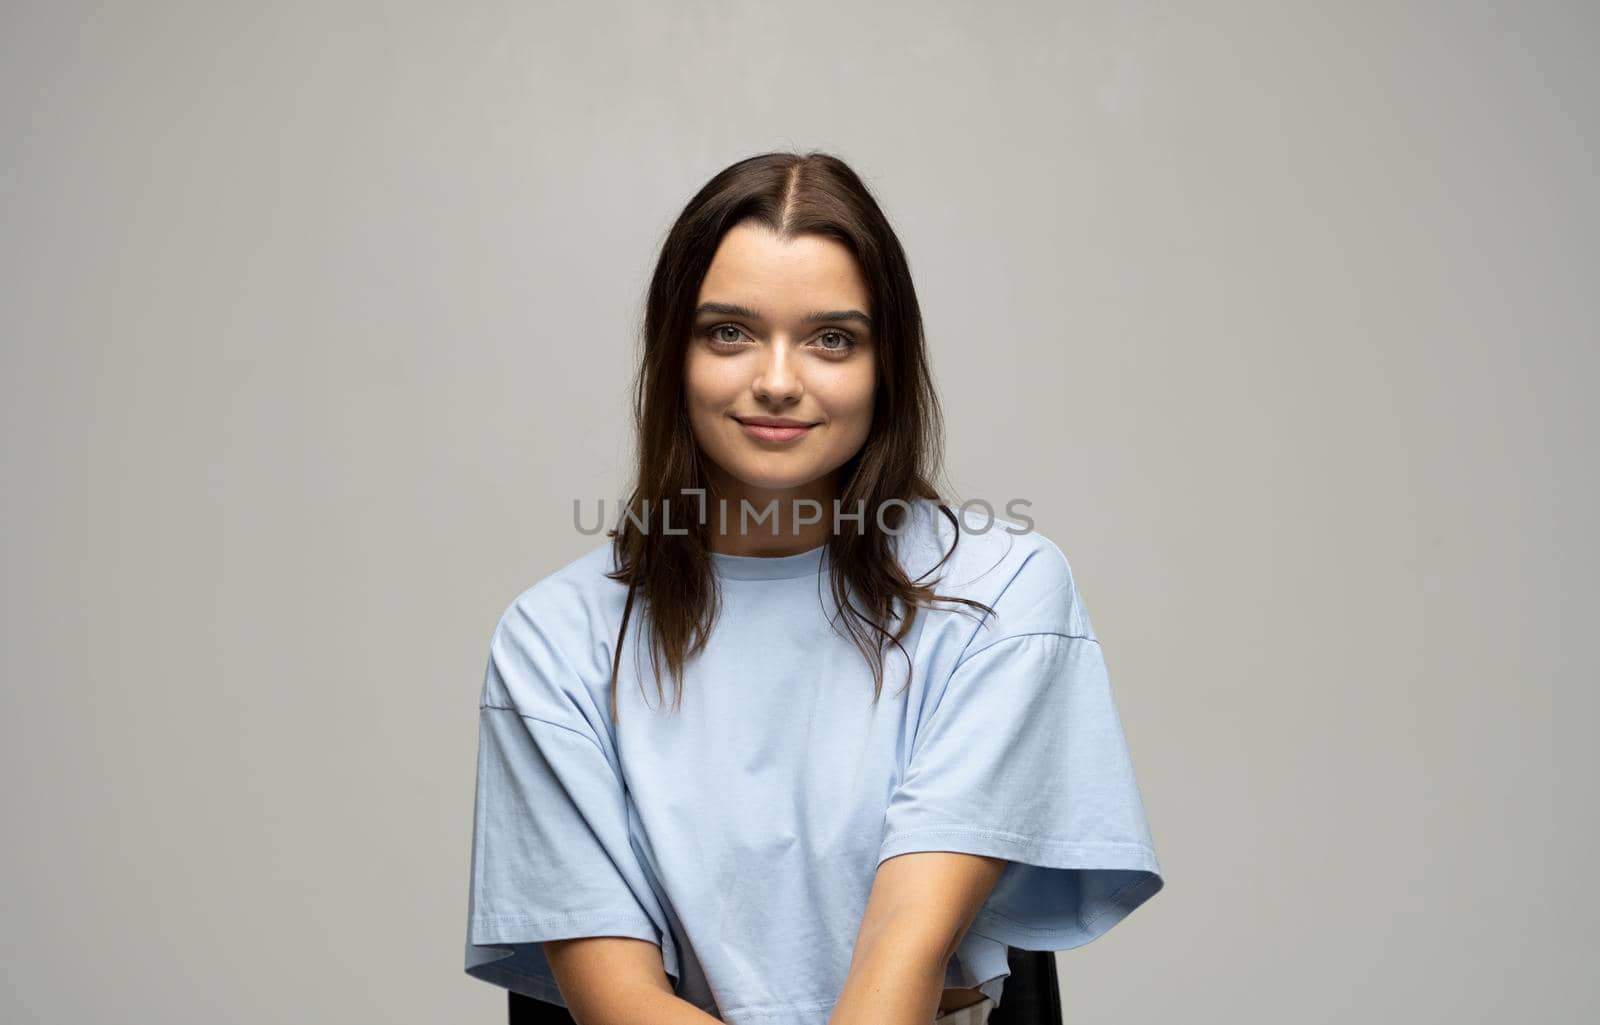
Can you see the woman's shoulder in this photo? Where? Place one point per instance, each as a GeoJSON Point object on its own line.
{"type": "Point", "coordinates": [1003, 561]}
{"type": "Point", "coordinates": [571, 603]}
{"type": "Point", "coordinates": [549, 644]}
{"type": "Point", "coordinates": [582, 575]}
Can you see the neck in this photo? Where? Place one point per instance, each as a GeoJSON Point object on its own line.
{"type": "Point", "coordinates": [742, 519]}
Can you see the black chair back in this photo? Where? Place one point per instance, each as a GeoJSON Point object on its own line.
{"type": "Point", "coordinates": [525, 1010]}
{"type": "Point", "coordinates": [1032, 993]}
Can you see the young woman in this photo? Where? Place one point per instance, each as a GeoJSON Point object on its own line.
{"type": "Point", "coordinates": [789, 840]}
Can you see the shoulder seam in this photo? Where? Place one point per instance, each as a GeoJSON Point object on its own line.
{"type": "Point", "coordinates": [1018, 636]}
{"type": "Point", "coordinates": [547, 722]}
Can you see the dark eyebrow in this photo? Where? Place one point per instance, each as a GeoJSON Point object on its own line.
{"type": "Point", "coordinates": [735, 310]}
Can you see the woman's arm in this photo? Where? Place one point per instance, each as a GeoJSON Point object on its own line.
{"type": "Point", "coordinates": [917, 914]}
{"type": "Point", "coordinates": [618, 980]}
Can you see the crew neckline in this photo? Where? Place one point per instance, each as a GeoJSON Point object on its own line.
{"type": "Point", "coordinates": [769, 567]}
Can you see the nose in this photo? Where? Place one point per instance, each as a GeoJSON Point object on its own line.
{"type": "Point", "coordinates": [777, 380]}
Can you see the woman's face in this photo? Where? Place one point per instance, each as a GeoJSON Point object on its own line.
{"type": "Point", "coordinates": [781, 332]}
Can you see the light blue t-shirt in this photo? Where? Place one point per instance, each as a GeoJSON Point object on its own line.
{"type": "Point", "coordinates": [741, 832]}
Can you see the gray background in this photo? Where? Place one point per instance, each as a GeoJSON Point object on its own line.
{"type": "Point", "coordinates": [317, 317]}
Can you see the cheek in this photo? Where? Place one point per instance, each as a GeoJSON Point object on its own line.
{"type": "Point", "coordinates": [855, 398]}
{"type": "Point", "coordinates": [705, 390]}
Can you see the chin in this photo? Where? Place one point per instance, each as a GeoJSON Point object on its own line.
{"type": "Point", "coordinates": [787, 482]}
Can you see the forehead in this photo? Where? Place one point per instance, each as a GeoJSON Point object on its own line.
{"type": "Point", "coordinates": [754, 267]}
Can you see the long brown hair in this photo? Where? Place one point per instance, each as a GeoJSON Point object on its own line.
{"type": "Point", "coordinates": [792, 194]}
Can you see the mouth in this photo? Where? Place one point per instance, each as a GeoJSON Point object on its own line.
{"type": "Point", "coordinates": [764, 428]}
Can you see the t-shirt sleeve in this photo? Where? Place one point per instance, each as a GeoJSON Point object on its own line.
{"type": "Point", "coordinates": [552, 856]}
{"type": "Point", "coordinates": [1023, 757]}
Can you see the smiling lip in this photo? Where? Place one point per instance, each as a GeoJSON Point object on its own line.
{"type": "Point", "coordinates": [766, 428]}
